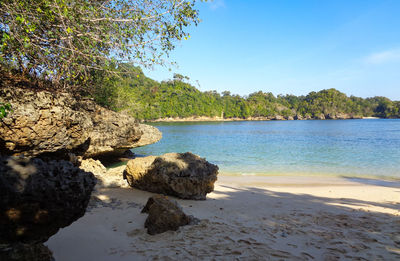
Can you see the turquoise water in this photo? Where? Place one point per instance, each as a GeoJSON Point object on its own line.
{"type": "Point", "coordinates": [336, 147]}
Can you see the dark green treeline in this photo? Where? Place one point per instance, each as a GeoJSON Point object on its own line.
{"type": "Point", "coordinates": [147, 99]}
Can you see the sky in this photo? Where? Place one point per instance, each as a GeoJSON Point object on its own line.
{"type": "Point", "coordinates": [292, 47]}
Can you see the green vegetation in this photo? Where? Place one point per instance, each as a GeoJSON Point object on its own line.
{"type": "Point", "coordinates": [70, 43]}
{"type": "Point", "coordinates": [147, 99]}
{"type": "Point", "coordinates": [5, 108]}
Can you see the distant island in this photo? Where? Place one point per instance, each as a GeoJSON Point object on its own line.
{"type": "Point", "coordinates": [177, 100]}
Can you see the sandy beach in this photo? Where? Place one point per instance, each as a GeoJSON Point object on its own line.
{"type": "Point", "coordinates": [246, 218]}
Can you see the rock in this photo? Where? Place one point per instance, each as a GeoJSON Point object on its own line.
{"type": "Point", "coordinates": [164, 215]}
{"type": "Point", "coordinates": [356, 117]}
{"type": "Point", "coordinates": [343, 116]}
{"type": "Point", "coordinates": [150, 135]}
{"type": "Point", "coordinates": [278, 118]}
{"type": "Point", "coordinates": [183, 175]}
{"type": "Point", "coordinates": [93, 166]}
{"type": "Point", "coordinates": [26, 252]}
{"type": "Point", "coordinates": [38, 198]}
{"type": "Point", "coordinates": [307, 116]}
{"type": "Point", "coordinates": [290, 118]}
{"type": "Point", "coordinates": [106, 178]}
{"type": "Point", "coordinates": [330, 116]}
{"type": "Point", "coordinates": [298, 117]}
{"type": "Point", "coordinates": [320, 116]}
{"type": "Point", "coordinates": [44, 122]}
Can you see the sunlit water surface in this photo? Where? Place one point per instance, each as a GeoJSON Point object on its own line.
{"type": "Point", "coordinates": [330, 147]}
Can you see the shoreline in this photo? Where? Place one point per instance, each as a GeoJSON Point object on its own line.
{"type": "Point", "coordinates": [249, 218]}
{"type": "Point", "coordinates": [219, 119]}
{"type": "Point", "coordinates": [309, 175]}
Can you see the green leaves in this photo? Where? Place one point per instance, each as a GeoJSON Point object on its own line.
{"type": "Point", "coordinates": [73, 38]}
{"type": "Point", "coordinates": [5, 108]}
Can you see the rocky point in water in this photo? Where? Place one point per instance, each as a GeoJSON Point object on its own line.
{"type": "Point", "coordinates": [53, 123]}
{"type": "Point", "coordinates": [184, 175]}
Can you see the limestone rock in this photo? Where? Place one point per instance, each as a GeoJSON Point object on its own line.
{"type": "Point", "coordinates": [93, 166]}
{"type": "Point", "coordinates": [38, 198]}
{"type": "Point", "coordinates": [106, 178]}
{"type": "Point", "coordinates": [164, 215]}
{"type": "Point", "coordinates": [278, 118]}
{"type": "Point", "coordinates": [298, 117]}
{"type": "Point", "coordinates": [330, 116]}
{"type": "Point", "coordinates": [150, 135]}
{"type": "Point", "coordinates": [44, 122]}
{"type": "Point", "coordinates": [343, 116]}
{"type": "Point", "coordinates": [183, 175]}
{"type": "Point", "coordinates": [26, 252]}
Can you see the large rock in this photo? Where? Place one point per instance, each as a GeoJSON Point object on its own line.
{"type": "Point", "coordinates": [106, 178]}
{"type": "Point", "coordinates": [38, 198]}
{"type": "Point", "coordinates": [183, 175]}
{"type": "Point", "coordinates": [26, 252]}
{"type": "Point", "coordinates": [164, 215]}
{"type": "Point", "coordinates": [44, 122]}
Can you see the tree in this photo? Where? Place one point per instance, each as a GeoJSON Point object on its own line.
{"type": "Point", "coordinates": [65, 41]}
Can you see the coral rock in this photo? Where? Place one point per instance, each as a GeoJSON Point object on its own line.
{"type": "Point", "coordinates": [183, 175]}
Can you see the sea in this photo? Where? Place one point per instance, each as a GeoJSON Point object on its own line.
{"type": "Point", "coordinates": [352, 148]}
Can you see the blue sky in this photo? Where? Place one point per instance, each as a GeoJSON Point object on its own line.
{"type": "Point", "coordinates": [293, 47]}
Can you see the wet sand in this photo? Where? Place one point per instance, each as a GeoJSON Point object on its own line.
{"type": "Point", "coordinates": [246, 218]}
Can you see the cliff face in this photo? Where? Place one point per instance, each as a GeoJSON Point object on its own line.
{"type": "Point", "coordinates": [44, 122]}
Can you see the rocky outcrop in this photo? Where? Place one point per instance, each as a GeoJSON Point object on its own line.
{"type": "Point", "coordinates": [44, 122]}
{"type": "Point", "coordinates": [38, 198]}
{"type": "Point", "coordinates": [164, 215]}
{"type": "Point", "coordinates": [320, 116]}
{"type": "Point", "coordinates": [149, 135]}
{"type": "Point", "coordinates": [26, 252]}
{"type": "Point", "coordinates": [109, 178]}
{"type": "Point", "coordinates": [183, 175]}
{"type": "Point", "coordinates": [298, 117]}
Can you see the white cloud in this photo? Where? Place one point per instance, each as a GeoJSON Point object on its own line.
{"type": "Point", "coordinates": [388, 56]}
{"type": "Point", "coordinates": [216, 4]}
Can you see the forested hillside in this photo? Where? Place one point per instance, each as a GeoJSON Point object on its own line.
{"type": "Point", "coordinates": [147, 99]}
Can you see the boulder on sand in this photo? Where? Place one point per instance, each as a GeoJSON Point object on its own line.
{"type": "Point", "coordinates": [184, 175]}
{"type": "Point", "coordinates": [37, 198]}
{"type": "Point", "coordinates": [164, 215]}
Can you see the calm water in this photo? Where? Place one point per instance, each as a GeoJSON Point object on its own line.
{"type": "Point", "coordinates": [341, 147]}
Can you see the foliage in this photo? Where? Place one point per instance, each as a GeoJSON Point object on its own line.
{"type": "Point", "coordinates": [147, 99]}
{"type": "Point", "coordinates": [5, 108]}
{"type": "Point", "coordinates": [65, 41]}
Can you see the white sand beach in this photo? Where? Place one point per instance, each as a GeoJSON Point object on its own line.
{"type": "Point", "coordinates": [246, 218]}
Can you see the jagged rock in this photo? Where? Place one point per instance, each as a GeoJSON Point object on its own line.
{"type": "Point", "coordinates": [298, 117]}
{"type": "Point", "coordinates": [93, 166]}
{"type": "Point", "coordinates": [106, 178]}
{"type": "Point", "coordinates": [320, 116]}
{"type": "Point", "coordinates": [330, 116]}
{"type": "Point", "coordinates": [278, 118]}
{"type": "Point", "coordinates": [150, 135]}
{"type": "Point", "coordinates": [290, 118]}
{"type": "Point", "coordinates": [38, 198]}
{"type": "Point", "coordinates": [44, 122]}
{"type": "Point", "coordinates": [164, 215]}
{"type": "Point", "coordinates": [183, 175]}
{"type": "Point", "coordinates": [26, 252]}
{"type": "Point", "coordinates": [343, 116]}
{"type": "Point", "coordinates": [307, 117]}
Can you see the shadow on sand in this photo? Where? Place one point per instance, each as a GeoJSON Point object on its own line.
{"type": "Point", "coordinates": [239, 223]}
